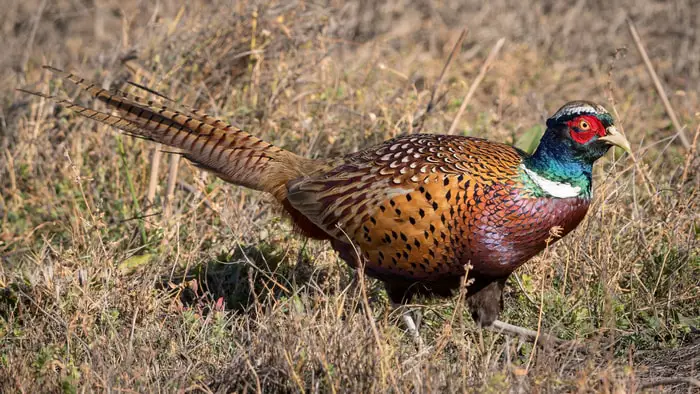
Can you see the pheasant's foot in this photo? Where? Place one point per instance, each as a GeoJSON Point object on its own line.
{"type": "Point", "coordinates": [411, 325]}
{"type": "Point", "coordinates": [418, 318]}
{"type": "Point", "coordinates": [412, 328]}
{"type": "Point", "coordinates": [531, 335]}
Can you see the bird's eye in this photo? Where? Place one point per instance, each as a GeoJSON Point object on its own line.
{"type": "Point", "coordinates": [584, 125]}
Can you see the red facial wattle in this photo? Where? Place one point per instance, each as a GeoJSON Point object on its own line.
{"type": "Point", "coordinates": [583, 128]}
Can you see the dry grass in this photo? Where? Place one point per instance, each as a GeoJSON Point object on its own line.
{"type": "Point", "coordinates": [100, 291]}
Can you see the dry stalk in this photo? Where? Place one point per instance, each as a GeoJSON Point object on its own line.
{"type": "Point", "coordinates": [554, 233]}
{"type": "Point", "coordinates": [157, 151]}
{"type": "Point", "coordinates": [657, 83]}
{"type": "Point", "coordinates": [292, 369]}
{"type": "Point", "coordinates": [206, 198]}
{"type": "Point", "coordinates": [689, 157]}
{"type": "Point", "coordinates": [368, 311]}
{"type": "Point", "coordinates": [475, 84]}
{"type": "Point", "coordinates": [522, 288]}
{"type": "Point", "coordinates": [172, 182]}
{"type": "Point", "coordinates": [646, 179]}
{"type": "Point", "coordinates": [673, 380]}
{"type": "Point", "coordinates": [461, 297]}
{"type": "Point", "coordinates": [420, 119]}
{"type": "Point", "coordinates": [153, 176]}
{"type": "Point", "coordinates": [258, 387]}
{"type": "Point", "coordinates": [9, 160]}
{"type": "Point", "coordinates": [32, 35]}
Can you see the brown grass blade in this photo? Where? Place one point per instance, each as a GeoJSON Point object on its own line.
{"type": "Point", "coordinates": [657, 83]}
{"type": "Point", "coordinates": [475, 84]}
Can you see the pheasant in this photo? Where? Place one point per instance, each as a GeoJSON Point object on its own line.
{"type": "Point", "coordinates": [414, 211]}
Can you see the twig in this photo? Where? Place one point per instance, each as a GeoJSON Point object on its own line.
{"type": "Point", "coordinates": [646, 180]}
{"type": "Point", "coordinates": [457, 46]}
{"type": "Point", "coordinates": [475, 84]}
{"type": "Point", "coordinates": [295, 376]}
{"type": "Point", "coordinates": [539, 335]}
{"type": "Point", "coordinates": [255, 374]}
{"type": "Point", "coordinates": [554, 232]}
{"type": "Point", "coordinates": [172, 181]}
{"type": "Point", "coordinates": [532, 335]}
{"type": "Point", "coordinates": [689, 157]}
{"type": "Point", "coordinates": [133, 328]}
{"type": "Point", "coordinates": [32, 35]}
{"type": "Point", "coordinates": [648, 184]}
{"type": "Point", "coordinates": [193, 190]}
{"type": "Point", "coordinates": [365, 303]}
{"type": "Point", "coordinates": [420, 119]}
{"type": "Point", "coordinates": [464, 283]}
{"type": "Point", "coordinates": [673, 380]}
{"type": "Point", "coordinates": [657, 83]}
{"type": "Point", "coordinates": [132, 188]}
{"type": "Point", "coordinates": [153, 177]}
{"type": "Point", "coordinates": [522, 288]}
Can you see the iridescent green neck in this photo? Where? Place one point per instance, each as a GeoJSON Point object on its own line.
{"type": "Point", "coordinates": [556, 162]}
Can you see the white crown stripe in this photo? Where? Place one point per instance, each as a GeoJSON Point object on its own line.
{"type": "Point", "coordinates": [580, 108]}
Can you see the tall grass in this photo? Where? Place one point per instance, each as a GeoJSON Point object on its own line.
{"type": "Point", "coordinates": [101, 291]}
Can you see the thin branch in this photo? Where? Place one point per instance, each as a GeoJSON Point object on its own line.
{"type": "Point", "coordinates": [689, 157]}
{"type": "Point", "coordinates": [522, 288]}
{"type": "Point", "coordinates": [531, 335]}
{"type": "Point", "coordinates": [673, 380]}
{"type": "Point", "coordinates": [475, 84]}
{"type": "Point", "coordinates": [170, 189]}
{"type": "Point", "coordinates": [32, 35]}
{"type": "Point", "coordinates": [153, 177]}
{"type": "Point", "coordinates": [657, 83]}
{"type": "Point", "coordinates": [648, 184]}
{"type": "Point", "coordinates": [420, 119]}
{"type": "Point", "coordinates": [193, 190]}
{"type": "Point", "coordinates": [365, 303]}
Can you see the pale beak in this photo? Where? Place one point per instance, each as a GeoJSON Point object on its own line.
{"type": "Point", "coordinates": [614, 137]}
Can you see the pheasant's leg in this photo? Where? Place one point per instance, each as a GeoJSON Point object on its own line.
{"type": "Point", "coordinates": [399, 295]}
{"type": "Point", "coordinates": [486, 305]}
{"type": "Point", "coordinates": [410, 324]}
{"type": "Point", "coordinates": [418, 317]}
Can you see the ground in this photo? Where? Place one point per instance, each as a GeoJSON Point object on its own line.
{"type": "Point", "coordinates": [108, 281]}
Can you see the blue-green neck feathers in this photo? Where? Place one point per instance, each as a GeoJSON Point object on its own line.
{"type": "Point", "coordinates": [555, 161]}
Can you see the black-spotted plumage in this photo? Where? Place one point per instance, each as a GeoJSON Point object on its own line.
{"type": "Point", "coordinates": [414, 210]}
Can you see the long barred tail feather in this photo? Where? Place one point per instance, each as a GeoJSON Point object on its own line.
{"type": "Point", "coordinates": [229, 152]}
{"type": "Point", "coordinates": [196, 112]}
{"type": "Point", "coordinates": [97, 92]}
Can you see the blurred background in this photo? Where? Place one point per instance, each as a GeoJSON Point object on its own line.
{"type": "Point", "coordinates": [125, 268]}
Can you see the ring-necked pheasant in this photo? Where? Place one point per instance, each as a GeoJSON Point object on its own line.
{"type": "Point", "coordinates": [415, 210]}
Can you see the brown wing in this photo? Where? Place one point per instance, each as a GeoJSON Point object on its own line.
{"type": "Point", "coordinates": [394, 201]}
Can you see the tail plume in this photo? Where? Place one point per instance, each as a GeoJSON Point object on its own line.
{"type": "Point", "coordinates": [212, 144]}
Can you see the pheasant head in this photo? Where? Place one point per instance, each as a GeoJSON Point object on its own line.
{"type": "Point", "coordinates": [577, 135]}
